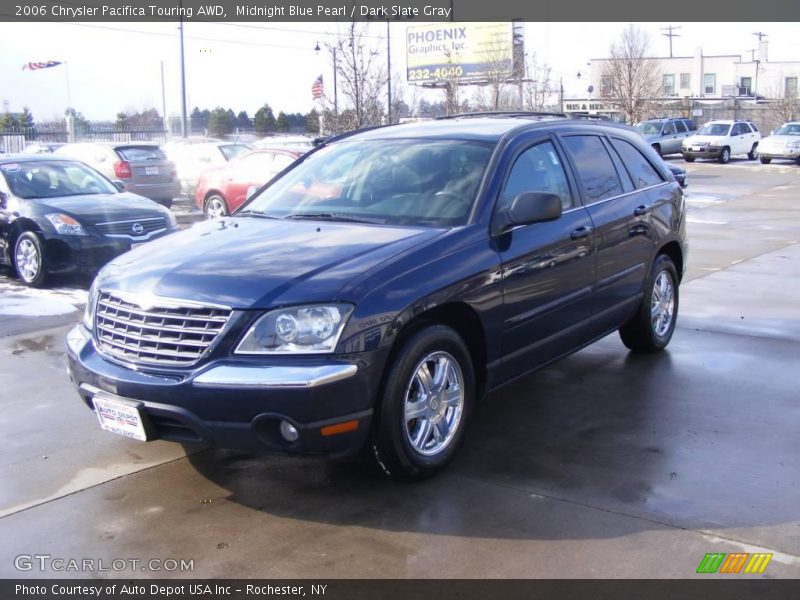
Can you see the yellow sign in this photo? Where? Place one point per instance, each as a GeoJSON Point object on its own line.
{"type": "Point", "coordinates": [468, 51]}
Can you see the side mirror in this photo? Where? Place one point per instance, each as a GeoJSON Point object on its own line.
{"type": "Point", "coordinates": [119, 184]}
{"type": "Point", "coordinates": [532, 207]}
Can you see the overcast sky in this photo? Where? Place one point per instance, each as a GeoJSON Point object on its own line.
{"type": "Point", "coordinates": [116, 66]}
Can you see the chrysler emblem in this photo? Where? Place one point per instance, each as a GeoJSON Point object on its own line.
{"type": "Point", "coordinates": [137, 228]}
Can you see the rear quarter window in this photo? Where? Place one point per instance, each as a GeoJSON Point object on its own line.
{"type": "Point", "coordinates": [640, 169]}
{"type": "Point", "coordinates": [595, 167]}
{"type": "Point", "coordinates": [134, 153]}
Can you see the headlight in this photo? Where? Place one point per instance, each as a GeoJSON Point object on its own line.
{"type": "Point", "coordinates": [297, 330]}
{"type": "Point", "coordinates": [91, 305]}
{"type": "Point", "coordinates": [65, 225]}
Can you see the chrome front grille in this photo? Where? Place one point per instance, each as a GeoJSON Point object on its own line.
{"type": "Point", "coordinates": [169, 333]}
{"type": "Point", "coordinates": [134, 228]}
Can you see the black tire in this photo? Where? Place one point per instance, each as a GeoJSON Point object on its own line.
{"type": "Point", "coordinates": [166, 203]}
{"type": "Point", "coordinates": [725, 155]}
{"type": "Point", "coordinates": [657, 148]}
{"type": "Point", "coordinates": [640, 334]}
{"type": "Point", "coordinates": [688, 158]}
{"type": "Point", "coordinates": [752, 154]}
{"type": "Point", "coordinates": [390, 445]}
{"type": "Point", "coordinates": [29, 259]}
{"type": "Point", "coordinates": [764, 160]}
{"type": "Point", "coordinates": [215, 200]}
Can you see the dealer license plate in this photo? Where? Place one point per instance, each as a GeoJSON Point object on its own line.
{"type": "Point", "coordinates": [119, 416]}
{"type": "Point", "coordinates": [151, 170]}
{"type": "Point", "coordinates": [696, 149]}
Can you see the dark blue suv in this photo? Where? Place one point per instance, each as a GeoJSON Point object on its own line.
{"type": "Point", "coordinates": [371, 294]}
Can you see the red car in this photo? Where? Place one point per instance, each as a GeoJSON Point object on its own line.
{"type": "Point", "coordinates": [221, 190]}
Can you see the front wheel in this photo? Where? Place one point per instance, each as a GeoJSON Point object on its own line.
{"type": "Point", "coordinates": [216, 207]}
{"type": "Point", "coordinates": [651, 328]}
{"type": "Point", "coordinates": [427, 398]}
{"type": "Point", "coordinates": [688, 158]}
{"type": "Point", "coordinates": [657, 148]}
{"type": "Point", "coordinates": [752, 154]}
{"type": "Point", "coordinates": [764, 160]}
{"type": "Point", "coordinates": [725, 155]}
{"type": "Point", "coordinates": [29, 260]}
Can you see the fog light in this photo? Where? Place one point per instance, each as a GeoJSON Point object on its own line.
{"type": "Point", "coordinates": [289, 431]}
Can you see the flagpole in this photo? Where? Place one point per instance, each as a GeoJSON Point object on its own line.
{"type": "Point", "coordinates": [69, 90]}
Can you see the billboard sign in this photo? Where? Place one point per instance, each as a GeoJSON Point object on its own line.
{"type": "Point", "coordinates": [468, 51]}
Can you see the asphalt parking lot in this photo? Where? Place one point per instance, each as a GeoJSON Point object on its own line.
{"type": "Point", "coordinates": [602, 465]}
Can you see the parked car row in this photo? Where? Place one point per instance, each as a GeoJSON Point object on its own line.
{"type": "Point", "coordinates": [721, 139]}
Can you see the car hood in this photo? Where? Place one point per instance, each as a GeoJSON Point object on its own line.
{"type": "Point", "coordinates": [102, 208]}
{"type": "Point", "coordinates": [249, 262]}
{"type": "Point", "coordinates": [780, 140]}
{"type": "Point", "coordinates": [700, 139]}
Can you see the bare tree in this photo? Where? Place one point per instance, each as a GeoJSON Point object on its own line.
{"type": "Point", "coordinates": [633, 79]}
{"type": "Point", "coordinates": [452, 84]}
{"type": "Point", "coordinates": [496, 57]}
{"type": "Point", "coordinates": [783, 106]}
{"type": "Point", "coordinates": [538, 88]}
{"type": "Point", "coordinates": [362, 78]}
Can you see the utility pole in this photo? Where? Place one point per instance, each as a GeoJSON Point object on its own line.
{"type": "Point", "coordinates": [670, 35]}
{"type": "Point", "coordinates": [388, 74]}
{"type": "Point", "coordinates": [753, 54]}
{"type": "Point", "coordinates": [760, 35]}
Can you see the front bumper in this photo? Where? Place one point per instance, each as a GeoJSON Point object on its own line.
{"type": "Point", "coordinates": [785, 154]}
{"type": "Point", "coordinates": [86, 253]}
{"type": "Point", "coordinates": [239, 404]}
{"type": "Point", "coordinates": [705, 152]}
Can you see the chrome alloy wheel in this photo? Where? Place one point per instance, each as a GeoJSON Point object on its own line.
{"type": "Point", "coordinates": [28, 261]}
{"type": "Point", "coordinates": [434, 403]}
{"type": "Point", "coordinates": [215, 208]}
{"type": "Point", "coordinates": [662, 304]}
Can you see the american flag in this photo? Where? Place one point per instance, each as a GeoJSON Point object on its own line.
{"type": "Point", "coordinates": [35, 66]}
{"type": "Point", "coordinates": [318, 89]}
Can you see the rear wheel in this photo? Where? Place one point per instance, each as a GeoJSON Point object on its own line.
{"type": "Point", "coordinates": [725, 155]}
{"type": "Point", "coordinates": [427, 398]}
{"type": "Point", "coordinates": [29, 261]}
{"type": "Point", "coordinates": [764, 160]}
{"type": "Point", "coordinates": [752, 154]}
{"type": "Point", "coordinates": [651, 328]}
{"type": "Point", "coordinates": [216, 207]}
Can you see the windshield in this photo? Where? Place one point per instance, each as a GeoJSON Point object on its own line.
{"type": "Point", "coordinates": [788, 129]}
{"type": "Point", "coordinates": [714, 129]}
{"type": "Point", "coordinates": [51, 179]}
{"type": "Point", "coordinates": [233, 150]}
{"type": "Point", "coordinates": [409, 182]}
{"type": "Point", "coordinates": [649, 127]}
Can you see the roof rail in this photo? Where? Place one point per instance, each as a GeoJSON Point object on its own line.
{"type": "Point", "coordinates": [589, 116]}
{"type": "Point", "coordinates": [503, 113]}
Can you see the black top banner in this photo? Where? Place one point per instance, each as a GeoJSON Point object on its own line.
{"type": "Point", "coordinates": [401, 10]}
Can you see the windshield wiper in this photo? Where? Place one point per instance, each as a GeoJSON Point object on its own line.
{"type": "Point", "coordinates": [326, 216]}
{"type": "Point", "coordinates": [254, 213]}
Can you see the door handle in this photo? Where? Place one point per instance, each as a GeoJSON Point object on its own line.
{"type": "Point", "coordinates": [641, 210]}
{"type": "Point", "coordinates": [580, 232]}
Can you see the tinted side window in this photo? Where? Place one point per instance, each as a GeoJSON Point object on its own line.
{"type": "Point", "coordinates": [669, 129]}
{"type": "Point", "coordinates": [538, 169]}
{"type": "Point", "coordinates": [638, 166]}
{"type": "Point", "coordinates": [680, 126]}
{"type": "Point", "coordinates": [753, 126]}
{"type": "Point", "coordinates": [595, 168]}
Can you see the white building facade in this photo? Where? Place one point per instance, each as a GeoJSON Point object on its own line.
{"type": "Point", "coordinates": [703, 77]}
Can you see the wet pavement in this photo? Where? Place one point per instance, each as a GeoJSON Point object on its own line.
{"type": "Point", "coordinates": [605, 464]}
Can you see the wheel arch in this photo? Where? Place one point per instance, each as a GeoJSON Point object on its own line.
{"type": "Point", "coordinates": [464, 320]}
{"type": "Point", "coordinates": [15, 229]}
{"type": "Point", "coordinates": [675, 252]}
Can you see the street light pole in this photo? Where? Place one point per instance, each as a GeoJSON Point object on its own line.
{"type": "Point", "coordinates": [184, 125]}
{"type": "Point", "coordinates": [164, 102]}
